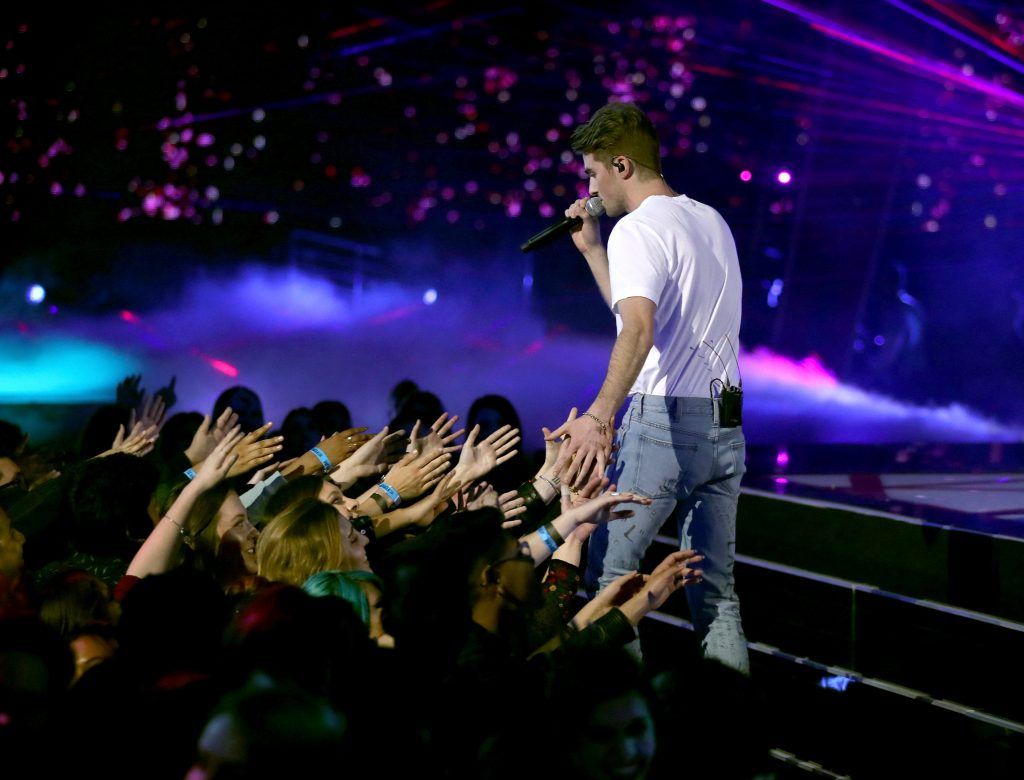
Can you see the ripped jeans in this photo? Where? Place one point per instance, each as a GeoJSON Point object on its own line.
{"type": "Point", "coordinates": [673, 451]}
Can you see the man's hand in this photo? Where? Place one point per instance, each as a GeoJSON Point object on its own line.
{"type": "Point", "coordinates": [584, 447]}
{"type": "Point", "coordinates": [586, 236]}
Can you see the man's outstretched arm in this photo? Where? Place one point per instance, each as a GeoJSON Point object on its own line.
{"type": "Point", "coordinates": [590, 435]}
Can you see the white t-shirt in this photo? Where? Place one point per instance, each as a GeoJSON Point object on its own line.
{"type": "Point", "coordinates": [680, 254]}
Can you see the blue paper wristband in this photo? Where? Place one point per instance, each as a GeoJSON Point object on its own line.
{"type": "Point", "coordinates": [324, 460]}
{"type": "Point", "coordinates": [542, 532]}
{"type": "Point", "coordinates": [391, 493]}
{"type": "Point", "coordinates": [190, 473]}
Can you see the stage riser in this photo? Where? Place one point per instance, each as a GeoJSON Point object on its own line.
{"type": "Point", "coordinates": [973, 571]}
{"type": "Point", "coordinates": [947, 656]}
{"type": "Point", "coordinates": [863, 732]}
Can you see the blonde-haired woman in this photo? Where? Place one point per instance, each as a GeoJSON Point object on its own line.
{"type": "Point", "coordinates": [308, 538]}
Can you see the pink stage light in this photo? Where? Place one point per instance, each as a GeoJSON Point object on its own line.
{"type": "Point", "coordinates": [223, 366]}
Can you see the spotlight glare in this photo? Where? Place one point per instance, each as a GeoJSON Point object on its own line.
{"type": "Point", "coordinates": [430, 296]}
{"type": "Point", "coordinates": [784, 177]}
{"type": "Point", "coordinates": [35, 294]}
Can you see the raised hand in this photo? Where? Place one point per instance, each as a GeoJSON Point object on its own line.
{"type": "Point", "coordinates": [415, 474]}
{"type": "Point", "coordinates": [617, 592]}
{"type": "Point", "coordinates": [253, 452]}
{"type": "Point", "coordinates": [426, 510]}
{"type": "Point", "coordinates": [439, 438]}
{"type": "Point", "coordinates": [680, 558]}
{"type": "Point", "coordinates": [208, 434]}
{"type": "Point", "coordinates": [478, 458]}
{"type": "Point", "coordinates": [511, 506]}
{"type": "Point", "coordinates": [600, 510]}
{"type": "Point", "coordinates": [481, 495]}
{"type": "Point", "coordinates": [152, 413]}
{"type": "Point", "coordinates": [139, 441]}
{"type": "Point", "coordinates": [571, 497]}
{"type": "Point", "coordinates": [129, 394]}
{"type": "Point", "coordinates": [553, 445]}
{"type": "Point", "coordinates": [227, 420]}
{"type": "Point", "coordinates": [221, 462]}
{"type": "Point", "coordinates": [371, 459]}
{"type": "Point", "coordinates": [672, 574]}
{"type": "Point", "coordinates": [344, 444]}
{"type": "Point", "coordinates": [170, 398]}
{"type": "Point", "coordinates": [261, 474]}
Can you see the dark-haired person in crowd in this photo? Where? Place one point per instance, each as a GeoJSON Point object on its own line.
{"type": "Point", "coordinates": [671, 277]}
{"type": "Point", "coordinates": [244, 403]}
{"type": "Point", "coordinates": [491, 412]}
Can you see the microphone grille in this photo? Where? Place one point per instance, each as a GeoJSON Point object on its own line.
{"type": "Point", "coordinates": [595, 207]}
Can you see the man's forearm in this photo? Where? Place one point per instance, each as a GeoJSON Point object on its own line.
{"type": "Point", "coordinates": [628, 356]}
{"type": "Point", "coordinates": [597, 259]}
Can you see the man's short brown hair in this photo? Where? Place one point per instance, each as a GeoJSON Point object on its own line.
{"type": "Point", "coordinates": [619, 129]}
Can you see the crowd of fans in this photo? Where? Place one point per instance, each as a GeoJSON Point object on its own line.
{"type": "Point", "coordinates": [203, 596]}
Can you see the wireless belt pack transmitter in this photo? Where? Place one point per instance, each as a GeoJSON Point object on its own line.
{"type": "Point", "coordinates": [730, 397]}
{"type": "Point", "coordinates": [730, 407]}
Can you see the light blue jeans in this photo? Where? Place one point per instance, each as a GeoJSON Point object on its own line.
{"type": "Point", "coordinates": [673, 451]}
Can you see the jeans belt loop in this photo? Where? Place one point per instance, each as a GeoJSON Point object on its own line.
{"type": "Point", "coordinates": [640, 405]}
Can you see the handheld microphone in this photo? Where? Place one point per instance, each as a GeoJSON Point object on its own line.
{"type": "Point", "coordinates": [594, 208]}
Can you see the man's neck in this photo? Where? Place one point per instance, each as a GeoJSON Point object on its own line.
{"type": "Point", "coordinates": [645, 190]}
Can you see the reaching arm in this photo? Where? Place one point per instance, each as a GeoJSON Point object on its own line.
{"type": "Point", "coordinates": [628, 355]}
{"type": "Point", "coordinates": [162, 549]}
{"type": "Point", "coordinates": [588, 441]}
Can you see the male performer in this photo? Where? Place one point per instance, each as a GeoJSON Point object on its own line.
{"type": "Point", "coordinates": [671, 276]}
